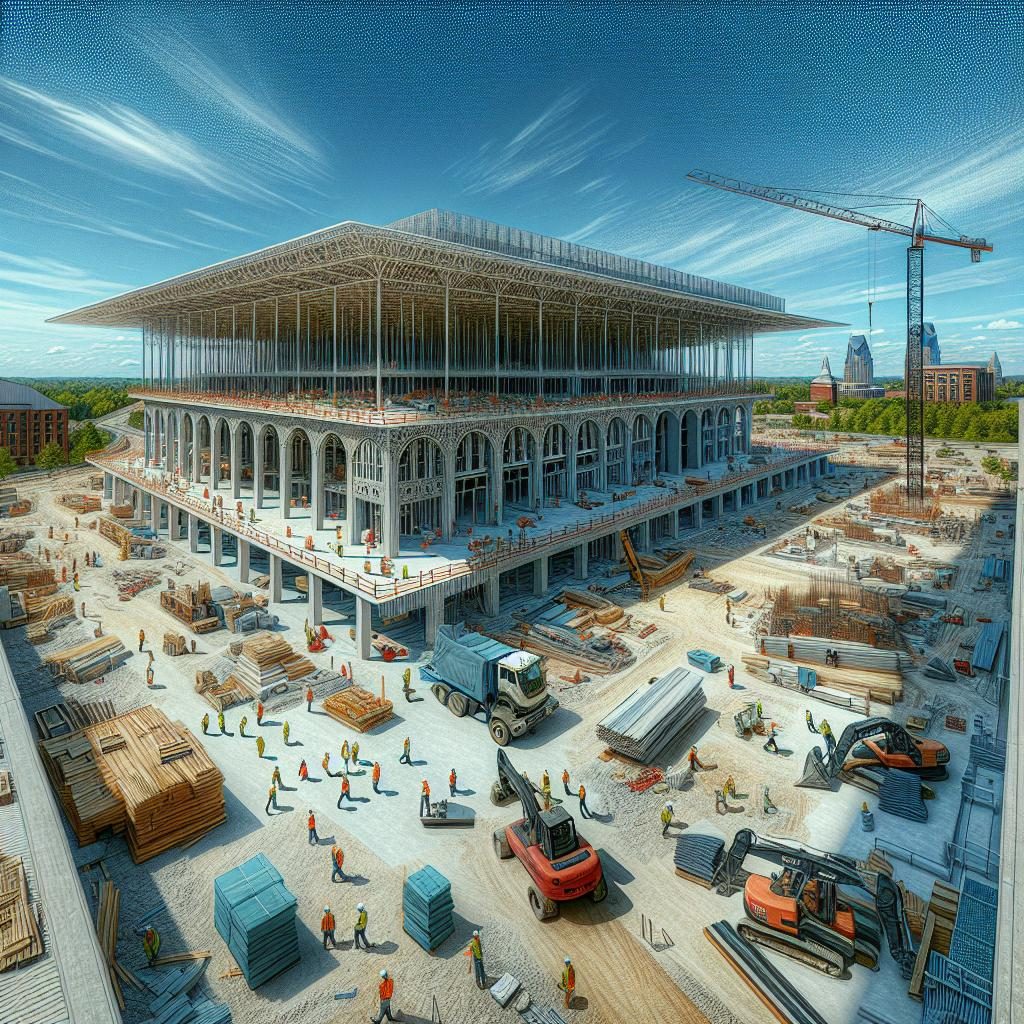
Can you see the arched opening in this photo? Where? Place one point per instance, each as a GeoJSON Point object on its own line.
{"type": "Point", "coordinates": [707, 430]}
{"type": "Point", "coordinates": [421, 488]}
{"type": "Point", "coordinates": [739, 446]}
{"type": "Point", "coordinates": [642, 450]}
{"type": "Point", "coordinates": [724, 433]}
{"type": "Point", "coordinates": [555, 472]}
{"type": "Point", "coordinates": [474, 467]}
{"type": "Point", "coordinates": [188, 446]}
{"type": "Point", "coordinates": [367, 476]}
{"type": "Point", "coordinates": [335, 484]}
{"type": "Point", "coordinates": [689, 440]}
{"type": "Point", "coordinates": [172, 458]}
{"type": "Point", "coordinates": [222, 470]}
{"type": "Point", "coordinates": [270, 455]}
{"type": "Point", "coordinates": [519, 453]}
{"type": "Point", "coordinates": [588, 457]}
{"type": "Point", "coordinates": [204, 434]}
{"type": "Point", "coordinates": [245, 455]}
{"type": "Point", "coordinates": [615, 454]}
{"type": "Point", "coordinates": [666, 449]}
{"type": "Point", "coordinates": [299, 485]}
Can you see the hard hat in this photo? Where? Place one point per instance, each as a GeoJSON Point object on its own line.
{"type": "Point", "coordinates": [327, 910]}
{"type": "Point", "coordinates": [383, 974]}
{"type": "Point", "coordinates": [567, 960]}
{"type": "Point", "coordinates": [359, 906]}
{"type": "Point", "coordinates": [476, 933]}
{"type": "Point", "coordinates": [668, 807]}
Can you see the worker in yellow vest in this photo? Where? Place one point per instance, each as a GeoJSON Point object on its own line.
{"type": "Point", "coordinates": [345, 755]}
{"type": "Point", "coordinates": [360, 928]}
{"type": "Point", "coordinates": [475, 952]}
{"type": "Point", "coordinates": [666, 819]}
{"type": "Point", "coordinates": [568, 982]}
{"type": "Point", "coordinates": [260, 745]}
{"type": "Point", "coordinates": [151, 940]}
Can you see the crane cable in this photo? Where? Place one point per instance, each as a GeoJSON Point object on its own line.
{"type": "Point", "coordinates": [872, 274]}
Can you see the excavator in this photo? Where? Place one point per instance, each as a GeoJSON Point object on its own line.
{"type": "Point", "coordinates": [561, 863]}
{"type": "Point", "coordinates": [875, 743]}
{"type": "Point", "coordinates": [807, 911]}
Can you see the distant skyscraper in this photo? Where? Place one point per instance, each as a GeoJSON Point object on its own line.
{"type": "Point", "coordinates": [930, 353]}
{"type": "Point", "coordinates": [996, 368]}
{"type": "Point", "coordinates": [859, 367]}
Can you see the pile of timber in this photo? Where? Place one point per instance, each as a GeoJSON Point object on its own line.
{"type": "Point", "coordinates": [20, 938]}
{"type": "Point", "coordinates": [221, 695]}
{"type": "Point", "coordinates": [266, 661]}
{"type": "Point", "coordinates": [6, 791]}
{"type": "Point", "coordinates": [359, 709]}
{"type": "Point", "coordinates": [14, 540]}
{"type": "Point", "coordinates": [175, 644]}
{"type": "Point", "coordinates": [70, 715]}
{"type": "Point", "coordinates": [123, 511]}
{"type": "Point", "coordinates": [863, 685]}
{"type": "Point", "coordinates": [49, 608]}
{"type": "Point", "coordinates": [140, 774]}
{"type": "Point", "coordinates": [107, 924]}
{"type": "Point", "coordinates": [80, 502]}
{"type": "Point", "coordinates": [21, 571]}
{"type": "Point", "coordinates": [601, 610]}
{"type": "Point", "coordinates": [654, 714]}
{"type": "Point", "coordinates": [89, 660]}
{"type": "Point", "coordinates": [937, 933]}
{"type": "Point", "coordinates": [591, 655]}
{"type": "Point", "coordinates": [193, 606]}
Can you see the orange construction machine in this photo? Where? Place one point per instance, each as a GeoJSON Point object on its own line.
{"type": "Point", "coordinates": [808, 911]}
{"type": "Point", "coordinates": [561, 863]}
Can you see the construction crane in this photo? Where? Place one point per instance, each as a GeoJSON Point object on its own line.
{"type": "Point", "coordinates": [918, 232]}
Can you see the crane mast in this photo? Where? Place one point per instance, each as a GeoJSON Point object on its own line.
{"type": "Point", "coordinates": [918, 233]}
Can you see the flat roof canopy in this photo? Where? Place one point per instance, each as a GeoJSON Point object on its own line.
{"type": "Point", "coordinates": [429, 249]}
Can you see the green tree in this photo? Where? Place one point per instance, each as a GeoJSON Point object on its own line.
{"type": "Point", "coordinates": [51, 457]}
{"type": "Point", "coordinates": [7, 463]}
{"type": "Point", "coordinates": [88, 438]}
{"type": "Point", "coordinates": [137, 417]}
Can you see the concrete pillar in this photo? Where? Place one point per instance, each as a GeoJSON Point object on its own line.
{"type": "Point", "coordinates": [197, 459]}
{"type": "Point", "coordinates": [236, 463]}
{"type": "Point", "coordinates": [154, 514]}
{"type": "Point", "coordinates": [364, 620]}
{"type": "Point", "coordinates": [643, 531]}
{"type": "Point", "coordinates": [540, 576]}
{"type": "Point", "coordinates": [673, 530]}
{"type": "Point", "coordinates": [316, 484]}
{"type": "Point", "coordinates": [617, 547]}
{"type": "Point", "coordinates": [448, 495]}
{"type": "Point", "coordinates": [284, 481]}
{"type": "Point", "coordinates": [243, 560]}
{"type": "Point", "coordinates": [217, 544]}
{"type": "Point", "coordinates": [497, 509]}
{"type": "Point", "coordinates": [174, 523]}
{"type": "Point", "coordinates": [315, 586]}
{"type": "Point", "coordinates": [698, 515]}
{"type": "Point", "coordinates": [390, 526]}
{"type": "Point", "coordinates": [193, 532]}
{"type": "Point", "coordinates": [276, 588]}
{"type": "Point", "coordinates": [433, 616]}
{"type": "Point", "coordinates": [492, 595]}
{"type": "Point", "coordinates": [108, 486]}
{"type": "Point", "coordinates": [348, 531]}
{"type": "Point", "coordinates": [581, 561]}
{"type": "Point", "coordinates": [215, 456]}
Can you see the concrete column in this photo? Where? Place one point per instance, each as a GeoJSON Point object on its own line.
{"type": "Point", "coordinates": [108, 486]}
{"type": "Point", "coordinates": [316, 484]}
{"type": "Point", "coordinates": [673, 530]}
{"type": "Point", "coordinates": [433, 617]}
{"type": "Point", "coordinates": [276, 579]}
{"type": "Point", "coordinates": [215, 456]}
{"type": "Point", "coordinates": [197, 459]}
{"type": "Point", "coordinates": [448, 495]}
{"type": "Point", "coordinates": [176, 526]}
{"type": "Point", "coordinates": [285, 477]}
{"type": "Point", "coordinates": [193, 532]}
{"type": "Point", "coordinates": [236, 463]}
{"type": "Point", "coordinates": [316, 598]}
{"type": "Point", "coordinates": [497, 509]}
{"type": "Point", "coordinates": [154, 514]}
{"type": "Point", "coordinates": [581, 561]}
{"type": "Point", "coordinates": [364, 620]}
{"type": "Point", "coordinates": [217, 544]}
{"type": "Point", "coordinates": [617, 548]}
{"type": "Point", "coordinates": [540, 576]}
{"type": "Point", "coordinates": [643, 536]}
{"type": "Point", "coordinates": [257, 471]}
{"type": "Point", "coordinates": [243, 560]}
{"type": "Point", "coordinates": [492, 595]}
{"type": "Point", "coordinates": [389, 511]}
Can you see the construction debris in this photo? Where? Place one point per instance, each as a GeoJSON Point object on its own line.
{"type": "Point", "coordinates": [80, 503]}
{"type": "Point", "coordinates": [193, 606]}
{"type": "Point", "coordinates": [597, 655]}
{"type": "Point", "coordinates": [133, 581]}
{"type": "Point", "coordinates": [654, 714]}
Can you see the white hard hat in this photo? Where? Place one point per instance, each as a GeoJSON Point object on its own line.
{"type": "Point", "coordinates": [383, 974]}
{"type": "Point", "coordinates": [668, 807]}
{"type": "Point", "coordinates": [476, 934]}
{"type": "Point", "coordinates": [326, 910]}
{"type": "Point", "coordinates": [567, 960]}
{"type": "Point", "coordinates": [359, 906]}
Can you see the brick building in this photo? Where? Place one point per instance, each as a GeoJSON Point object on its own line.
{"type": "Point", "coordinates": [965, 382]}
{"type": "Point", "coordinates": [29, 421]}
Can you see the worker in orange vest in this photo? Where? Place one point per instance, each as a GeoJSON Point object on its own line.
{"type": "Point", "coordinates": [695, 762]}
{"type": "Point", "coordinates": [565, 781]}
{"type": "Point", "coordinates": [314, 839]}
{"type": "Point", "coordinates": [376, 776]}
{"type": "Point", "coordinates": [259, 712]}
{"type": "Point", "coordinates": [345, 792]}
{"type": "Point", "coordinates": [303, 771]}
{"type": "Point", "coordinates": [475, 951]}
{"type": "Point", "coordinates": [425, 799]}
{"type": "Point", "coordinates": [568, 982]}
{"type": "Point", "coordinates": [452, 781]}
{"type": "Point", "coordinates": [406, 757]}
{"type": "Point", "coordinates": [309, 698]}
{"type": "Point", "coordinates": [338, 863]}
{"type": "Point", "coordinates": [583, 802]}
{"type": "Point", "coordinates": [732, 676]}
{"type": "Point", "coordinates": [142, 639]}
{"type": "Point", "coordinates": [151, 944]}
{"type": "Point", "coordinates": [386, 992]}
{"type": "Point", "coordinates": [327, 927]}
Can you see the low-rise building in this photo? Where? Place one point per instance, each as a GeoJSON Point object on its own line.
{"type": "Point", "coordinates": [29, 421]}
{"type": "Point", "coordinates": [958, 384]}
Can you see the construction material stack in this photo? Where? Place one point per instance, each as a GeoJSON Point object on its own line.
{"type": "Point", "coordinates": [654, 714]}
{"type": "Point", "coordinates": [80, 503]}
{"type": "Point", "coordinates": [88, 660]}
{"type": "Point", "coordinates": [255, 915]}
{"type": "Point", "coordinates": [359, 709]}
{"type": "Point", "coordinates": [267, 662]}
{"type": "Point", "coordinates": [427, 908]}
{"type": "Point", "coordinates": [193, 606]}
{"type": "Point", "coordinates": [698, 857]}
{"type": "Point", "coordinates": [20, 940]}
{"type": "Point", "coordinates": [175, 645]}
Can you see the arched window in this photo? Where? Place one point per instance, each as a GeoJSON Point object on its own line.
{"type": "Point", "coordinates": [368, 461]}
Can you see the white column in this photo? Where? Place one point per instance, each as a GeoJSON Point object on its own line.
{"type": "Point", "coordinates": [364, 619]}
{"type": "Point", "coordinates": [258, 469]}
{"type": "Point", "coordinates": [193, 532]}
{"type": "Point", "coordinates": [316, 483]}
{"type": "Point", "coordinates": [154, 514]}
{"type": "Point", "coordinates": [236, 463]}
{"type": "Point", "coordinates": [243, 560]}
{"type": "Point", "coordinates": [380, 391]}
{"type": "Point", "coordinates": [276, 578]}
{"type": "Point", "coordinates": [315, 586]}
{"type": "Point", "coordinates": [284, 475]}
{"type": "Point", "coordinates": [540, 576]}
{"type": "Point", "coordinates": [217, 544]}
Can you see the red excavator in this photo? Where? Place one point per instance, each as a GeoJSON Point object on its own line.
{"type": "Point", "coordinates": [561, 863]}
{"type": "Point", "coordinates": [809, 913]}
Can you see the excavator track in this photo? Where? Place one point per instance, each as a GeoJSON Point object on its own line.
{"type": "Point", "coordinates": [813, 954]}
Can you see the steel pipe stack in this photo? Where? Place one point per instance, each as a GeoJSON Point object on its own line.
{"type": "Point", "coordinates": [900, 794]}
{"type": "Point", "coordinates": [698, 856]}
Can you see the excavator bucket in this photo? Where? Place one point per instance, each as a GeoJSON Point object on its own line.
{"type": "Point", "coordinates": [816, 774]}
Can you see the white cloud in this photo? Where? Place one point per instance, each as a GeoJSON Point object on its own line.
{"type": "Point", "coordinates": [978, 337]}
{"type": "Point", "coordinates": [877, 330]}
{"type": "Point", "coordinates": [55, 350]}
{"type": "Point", "coordinates": [128, 362]}
{"type": "Point", "coordinates": [977, 327]}
{"type": "Point", "coordinates": [1004, 325]}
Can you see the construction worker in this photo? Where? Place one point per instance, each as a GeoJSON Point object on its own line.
{"type": "Point", "coordinates": [359, 929]}
{"type": "Point", "coordinates": [376, 776]}
{"type": "Point", "coordinates": [74, 582]}
{"type": "Point", "coordinates": [220, 722]}
{"type": "Point", "coordinates": [695, 761]}
{"type": "Point", "coordinates": [142, 639]}
{"type": "Point", "coordinates": [407, 684]}
{"type": "Point", "coordinates": [666, 818]}
{"type": "Point", "coordinates": [309, 698]}
{"type": "Point", "coordinates": [809, 718]}
{"type": "Point", "coordinates": [729, 789]}
{"type": "Point", "coordinates": [452, 781]}
{"type": "Point", "coordinates": [338, 864]}
{"type": "Point", "coordinates": [830, 741]}
{"type": "Point", "coordinates": [260, 746]}
{"type": "Point", "coordinates": [242, 724]}
{"type": "Point", "coordinates": [545, 779]}
{"type": "Point", "coordinates": [271, 799]}
{"type": "Point", "coordinates": [583, 802]}
{"type": "Point", "coordinates": [345, 755]}
{"type": "Point", "coordinates": [721, 803]}
{"type": "Point", "coordinates": [475, 951]}
{"type": "Point", "coordinates": [568, 982]}
{"type": "Point", "coordinates": [760, 710]}
{"type": "Point", "coordinates": [276, 777]}
{"type": "Point", "coordinates": [285, 731]}
{"type": "Point", "coordinates": [259, 713]}
{"type": "Point", "coordinates": [206, 723]}
{"type": "Point", "coordinates": [151, 943]}
{"type": "Point", "coordinates": [565, 781]}
{"type": "Point", "coordinates": [326, 764]}
{"type": "Point", "coordinates": [425, 799]}
{"type": "Point", "coordinates": [303, 771]}
{"type": "Point", "coordinates": [386, 990]}
{"type": "Point", "coordinates": [732, 676]}
{"type": "Point", "coordinates": [771, 744]}
{"type": "Point", "coordinates": [355, 754]}
{"type": "Point", "coordinates": [346, 793]}
{"type": "Point", "coordinates": [314, 839]}
{"type": "Point", "coordinates": [327, 927]}
{"type": "Point", "coordinates": [406, 757]}
{"type": "Point", "coordinates": [546, 793]}
{"type": "Point", "coordinates": [661, 602]}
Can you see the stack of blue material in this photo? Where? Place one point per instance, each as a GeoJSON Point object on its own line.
{"type": "Point", "coordinates": [255, 915]}
{"type": "Point", "coordinates": [427, 902]}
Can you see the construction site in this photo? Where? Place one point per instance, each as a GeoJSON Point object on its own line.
{"type": "Point", "coordinates": [741, 706]}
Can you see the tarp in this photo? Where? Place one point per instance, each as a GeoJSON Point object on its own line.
{"type": "Point", "coordinates": [463, 659]}
{"type": "Point", "coordinates": [987, 646]}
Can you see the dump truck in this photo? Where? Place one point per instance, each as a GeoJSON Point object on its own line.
{"type": "Point", "coordinates": [471, 674]}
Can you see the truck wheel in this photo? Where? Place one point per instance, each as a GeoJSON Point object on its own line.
{"type": "Point", "coordinates": [457, 704]}
{"type": "Point", "coordinates": [543, 909]}
{"type": "Point", "coordinates": [440, 691]}
{"type": "Point", "coordinates": [501, 848]}
{"type": "Point", "coordinates": [500, 732]}
{"type": "Point", "coordinates": [601, 892]}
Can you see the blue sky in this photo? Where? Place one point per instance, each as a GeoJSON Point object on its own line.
{"type": "Point", "coordinates": [140, 141]}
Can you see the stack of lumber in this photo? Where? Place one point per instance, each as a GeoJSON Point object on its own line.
{"type": "Point", "coordinates": [21, 571]}
{"type": "Point", "coordinates": [6, 793]}
{"type": "Point", "coordinates": [88, 660]}
{"type": "Point", "coordinates": [221, 695]}
{"type": "Point", "coordinates": [48, 608]}
{"type": "Point", "coordinates": [598, 657]}
{"type": "Point", "coordinates": [886, 687]}
{"type": "Point", "coordinates": [122, 511]}
{"type": "Point", "coordinates": [937, 933]}
{"type": "Point", "coordinates": [697, 857]}
{"type": "Point", "coordinates": [193, 606]}
{"type": "Point", "coordinates": [915, 910]}
{"type": "Point", "coordinates": [359, 709]}
{"type": "Point", "coordinates": [60, 719]}
{"type": "Point", "coordinates": [654, 714]}
{"type": "Point", "coordinates": [175, 644]}
{"type": "Point", "coordinates": [601, 610]}
{"type": "Point", "coordinates": [20, 939]}
{"type": "Point", "coordinates": [140, 774]}
{"type": "Point", "coordinates": [268, 660]}
{"type": "Point", "coordinates": [427, 907]}
{"type": "Point", "coordinates": [106, 931]}
{"type": "Point", "coordinates": [80, 502]}
{"type": "Point", "coordinates": [173, 1004]}
{"type": "Point", "coordinates": [255, 915]}
{"type": "Point", "coordinates": [14, 540]}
